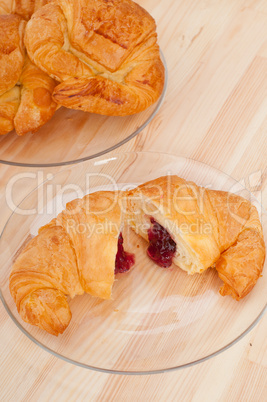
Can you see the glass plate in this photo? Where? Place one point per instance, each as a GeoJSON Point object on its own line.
{"type": "Point", "coordinates": [158, 319]}
{"type": "Point", "coordinates": [73, 136]}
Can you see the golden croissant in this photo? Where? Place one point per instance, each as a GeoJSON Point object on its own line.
{"type": "Point", "coordinates": [82, 249]}
{"type": "Point", "coordinates": [200, 228]}
{"type": "Point", "coordinates": [25, 91]}
{"type": "Point", "coordinates": [74, 253]}
{"type": "Point", "coordinates": [104, 53]}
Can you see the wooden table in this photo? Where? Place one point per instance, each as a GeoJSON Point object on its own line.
{"type": "Point", "coordinates": [215, 112]}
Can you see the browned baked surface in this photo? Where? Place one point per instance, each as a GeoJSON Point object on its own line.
{"type": "Point", "coordinates": [36, 104]}
{"type": "Point", "coordinates": [11, 51]}
{"type": "Point", "coordinates": [72, 254]}
{"type": "Point", "coordinates": [24, 8]}
{"type": "Point", "coordinates": [25, 91]}
{"type": "Point", "coordinates": [240, 265]}
{"type": "Point", "coordinates": [76, 251]}
{"type": "Point", "coordinates": [209, 227]}
{"type": "Point", "coordinates": [42, 275]}
{"type": "Point", "coordinates": [105, 54]}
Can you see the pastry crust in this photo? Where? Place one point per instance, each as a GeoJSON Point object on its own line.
{"type": "Point", "coordinates": [209, 228]}
{"type": "Point", "coordinates": [93, 224]}
{"type": "Point", "coordinates": [74, 253]}
{"type": "Point", "coordinates": [105, 54]}
{"type": "Point", "coordinates": [11, 51]}
{"type": "Point", "coordinates": [36, 103]}
{"type": "Point", "coordinates": [44, 272]}
{"type": "Point", "coordinates": [9, 104]}
{"type": "Point", "coordinates": [5, 7]}
{"type": "Point", "coordinates": [25, 91]}
{"type": "Point", "coordinates": [175, 205]}
{"type": "Point", "coordinates": [48, 309]}
{"type": "Point", "coordinates": [240, 265]}
{"type": "Point", "coordinates": [24, 8]}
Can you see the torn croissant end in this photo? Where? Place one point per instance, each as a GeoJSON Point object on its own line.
{"type": "Point", "coordinates": [208, 227]}
{"type": "Point", "coordinates": [166, 201]}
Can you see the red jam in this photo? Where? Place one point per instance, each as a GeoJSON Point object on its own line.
{"type": "Point", "coordinates": [161, 247]}
{"type": "Point", "coordinates": [124, 261]}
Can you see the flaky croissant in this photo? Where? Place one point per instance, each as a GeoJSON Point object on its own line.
{"type": "Point", "coordinates": [105, 54]}
{"type": "Point", "coordinates": [76, 252]}
{"type": "Point", "coordinates": [197, 228]}
{"type": "Point", "coordinates": [82, 249]}
{"type": "Point", "coordinates": [25, 91]}
{"type": "Point", "coordinates": [11, 51]}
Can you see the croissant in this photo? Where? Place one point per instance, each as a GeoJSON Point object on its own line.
{"type": "Point", "coordinates": [24, 8]}
{"type": "Point", "coordinates": [11, 51]}
{"type": "Point", "coordinates": [9, 104]}
{"type": "Point", "coordinates": [36, 104]}
{"type": "Point", "coordinates": [82, 249]}
{"type": "Point", "coordinates": [77, 252]}
{"type": "Point", "coordinates": [104, 53]}
{"type": "Point", "coordinates": [25, 91]}
{"type": "Point", "coordinates": [196, 228]}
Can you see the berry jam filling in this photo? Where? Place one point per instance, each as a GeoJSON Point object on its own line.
{"type": "Point", "coordinates": [161, 247]}
{"type": "Point", "coordinates": [124, 261]}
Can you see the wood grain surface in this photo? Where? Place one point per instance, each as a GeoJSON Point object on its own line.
{"type": "Point", "coordinates": [215, 112]}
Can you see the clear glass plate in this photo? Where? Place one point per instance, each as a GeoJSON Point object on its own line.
{"type": "Point", "coordinates": [158, 319]}
{"type": "Point", "coordinates": [73, 136]}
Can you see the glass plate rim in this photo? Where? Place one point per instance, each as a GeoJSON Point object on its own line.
{"type": "Point", "coordinates": [145, 372]}
{"type": "Point", "coordinates": [110, 149]}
